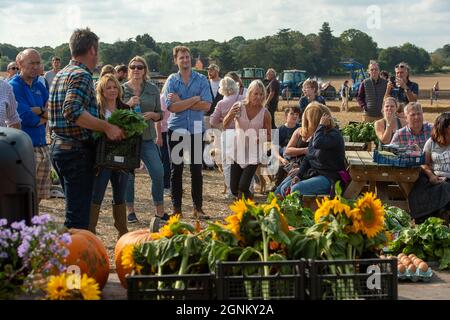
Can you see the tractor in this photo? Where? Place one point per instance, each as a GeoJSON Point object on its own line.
{"type": "Point", "coordinates": [249, 74]}
{"type": "Point", "coordinates": [291, 82]}
{"type": "Point", "coordinates": [357, 73]}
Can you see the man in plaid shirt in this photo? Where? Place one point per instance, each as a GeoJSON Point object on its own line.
{"type": "Point", "coordinates": [73, 117]}
{"type": "Point", "coordinates": [416, 131]}
{"type": "Point", "coordinates": [8, 107]}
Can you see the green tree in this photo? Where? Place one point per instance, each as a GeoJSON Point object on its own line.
{"type": "Point", "coordinates": [328, 58]}
{"type": "Point", "coordinates": [357, 45]}
{"type": "Point", "coordinates": [63, 51]}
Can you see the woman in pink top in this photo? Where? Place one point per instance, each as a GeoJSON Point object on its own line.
{"type": "Point", "coordinates": [250, 118]}
{"type": "Point", "coordinates": [230, 91]}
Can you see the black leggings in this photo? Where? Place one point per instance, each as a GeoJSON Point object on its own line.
{"type": "Point", "coordinates": [240, 180]}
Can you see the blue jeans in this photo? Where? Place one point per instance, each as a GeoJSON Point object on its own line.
{"type": "Point", "coordinates": [119, 180]}
{"type": "Point", "coordinates": [165, 157]}
{"type": "Point", "coordinates": [74, 164]}
{"type": "Point", "coordinates": [312, 186]}
{"type": "Point", "coordinates": [152, 160]}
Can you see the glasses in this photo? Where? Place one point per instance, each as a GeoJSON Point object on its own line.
{"type": "Point", "coordinates": [13, 68]}
{"type": "Point", "coordinates": [400, 66]}
{"type": "Point", "coordinates": [137, 67]}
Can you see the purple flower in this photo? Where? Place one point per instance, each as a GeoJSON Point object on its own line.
{"type": "Point", "coordinates": [66, 238]}
{"type": "Point", "coordinates": [41, 219]}
{"type": "Point", "coordinates": [3, 222]}
{"type": "Point", "coordinates": [3, 255]}
{"type": "Point", "coordinates": [18, 225]}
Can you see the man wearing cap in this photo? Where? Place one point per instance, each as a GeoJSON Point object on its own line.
{"type": "Point", "coordinates": [214, 80]}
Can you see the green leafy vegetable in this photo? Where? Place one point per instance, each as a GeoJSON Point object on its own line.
{"type": "Point", "coordinates": [131, 122]}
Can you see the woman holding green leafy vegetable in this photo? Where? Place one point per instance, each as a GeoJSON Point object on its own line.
{"type": "Point", "coordinates": [109, 92]}
{"type": "Point", "coordinates": [143, 96]}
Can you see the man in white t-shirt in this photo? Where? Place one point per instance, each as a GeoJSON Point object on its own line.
{"type": "Point", "coordinates": [214, 80]}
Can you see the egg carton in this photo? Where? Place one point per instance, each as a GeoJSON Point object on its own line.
{"type": "Point", "coordinates": [416, 276]}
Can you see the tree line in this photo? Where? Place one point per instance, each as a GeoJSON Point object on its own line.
{"type": "Point", "coordinates": [319, 54]}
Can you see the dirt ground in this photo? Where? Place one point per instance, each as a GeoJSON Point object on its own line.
{"type": "Point", "coordinates": [214, 202]}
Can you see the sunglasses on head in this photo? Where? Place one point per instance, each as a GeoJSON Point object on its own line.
{"type": "Point", "coordinates": [401, 66]}
{"type": "Point", "coordinates": [14, 68]}
{"type": "Point", "coordinates": [137, 67]}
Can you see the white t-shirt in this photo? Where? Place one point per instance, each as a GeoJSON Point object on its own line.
{"type": "Point", "coordinates": [440, 158]}
{"type": "Point", "coordinates": [214, 87]}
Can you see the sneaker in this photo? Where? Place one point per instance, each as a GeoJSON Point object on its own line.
{"type": "Point", "coordinates": [167, 192]}
{"type": "Point", "coordinates": [132, 218]}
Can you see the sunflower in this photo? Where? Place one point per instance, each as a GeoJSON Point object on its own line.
{"type": "Point", "coordinates": [89, 288]}
{"type": "Point", "coordinates": [57, 287]}
{"type": "Point", "coordinates": [234, 223]}
{"type": "Point", "coordinates": [165, 231]}
{"type": "Point", "coordinates": [272, 204]}
{"type": "Point", "coordinates": [328, 207]}
{"type": "Point", "coordinates": [368, 215]}
{"type": "Point", "coordinates": [239, 207]}
{"type": "Point", "coordinates": [128, 259]}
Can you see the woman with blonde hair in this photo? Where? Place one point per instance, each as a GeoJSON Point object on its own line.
{"type": "Point", "coordinates": [386, 127]}
{"type": "Point", "coordinates": [251, 119]}
{"type": "Point", "coordinates": [144, 97]}
{"type": "Point", "coordinates": [109, 92]}
{"type": "Point", "coordinates": [323, 159]}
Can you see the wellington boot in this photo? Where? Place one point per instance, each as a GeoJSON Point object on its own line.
{"type": "Point", "coordinates": [120, 218]}
{"type": "Point", "coordinates": [93, 218]}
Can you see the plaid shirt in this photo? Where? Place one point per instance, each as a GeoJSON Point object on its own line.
{"type": "Point", "coordinates": [71, 94]}
{"type": "Point", "coordinates": [8, 105]}
{"type": "Point", "coordinates": [405, 136]}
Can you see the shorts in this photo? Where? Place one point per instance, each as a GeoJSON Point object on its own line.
{"type": "Point", "coordinates": [43, 168]}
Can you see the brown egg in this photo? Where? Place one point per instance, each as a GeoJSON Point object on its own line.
{"type": "Point", "coordinates": [417, 261]}
{"type": "Point", "coordinates": [406, 261]}
{"type": "Point", "coordinates": [401, 268]}
{"type": "Point", "coordinates": [401, 255]}
{"type": "Point", "coordinates": [412, 268]}
{"type": "Point", "coordinates": [423, 267]}
{"type": "Point", "coordinates": [412, 255]}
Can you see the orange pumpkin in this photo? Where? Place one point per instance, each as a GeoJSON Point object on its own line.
{"type": "Point", "coordinates": [89, 254]}
{"type": "Point", "coordinates": [133, 237]}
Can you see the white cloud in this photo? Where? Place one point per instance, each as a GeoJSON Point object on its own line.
{"type": "Point", "coordinates": [26, 23]}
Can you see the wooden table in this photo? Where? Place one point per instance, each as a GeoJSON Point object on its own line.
{"type": "Point", "coordinates": [355, 146]}
{"type": "Point", "coordinates": [364, 170]}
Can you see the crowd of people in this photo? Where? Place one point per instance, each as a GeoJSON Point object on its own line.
{"type": "Point", "coordinates": [308, 152]}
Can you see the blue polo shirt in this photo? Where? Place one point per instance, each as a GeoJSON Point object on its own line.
{"type": "Point", "coordinates": [28, 97]}
{"type": "Point", "coordinates": [189, 120]}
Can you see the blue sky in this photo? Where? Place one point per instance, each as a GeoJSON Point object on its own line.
{"type": "Point", "coordinates": [425, 23]}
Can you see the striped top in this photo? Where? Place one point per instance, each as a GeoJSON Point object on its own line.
{"type": "Point", "coordinates": [8, 105]}
{"type": "Point", "coordinates": [72, 93]}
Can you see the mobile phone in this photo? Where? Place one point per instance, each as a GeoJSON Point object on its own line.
{"type": "Point", "coordinates": [392, 80]}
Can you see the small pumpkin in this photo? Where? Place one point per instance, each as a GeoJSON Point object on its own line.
{"type": "Point", "coordinates": [133, 237]}
{"type": "Point", "coordinates": [88, 253]}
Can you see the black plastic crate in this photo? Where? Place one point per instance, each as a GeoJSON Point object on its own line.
{"type": "Point", "coordinates": [350, 279]}
{"type": "Point", "coordinates": [246, 281]}
{"type": "Point", "coordinates": [153, 287]}
{"type": "Point", "coordinates": [124, 154]}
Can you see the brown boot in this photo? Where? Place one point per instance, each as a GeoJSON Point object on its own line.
{"type": "Point", "coordinates": [120, 218]}
{"type": "Point", "coordinates": [93, 218]}
{"type": "Point", "coordinates": [199, 214]}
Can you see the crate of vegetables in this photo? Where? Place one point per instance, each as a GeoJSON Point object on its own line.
{"type": "Point", "coordinates": [124, 154]}
{"type": "Point", "coordinates": [249, 280]}
{"type": "Point", "coordinates": [359, 279]}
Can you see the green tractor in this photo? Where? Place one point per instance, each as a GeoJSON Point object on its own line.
{"type": "Point", "coordinates": [249, 74]}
